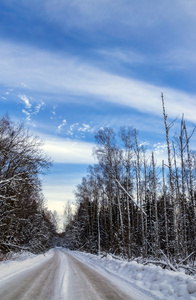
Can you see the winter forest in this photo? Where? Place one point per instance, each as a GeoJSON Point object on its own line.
{"type": "Point", "coordinates": [25, 223]}
{"type": "Point", "coordinates": [127, 205]}
{"type": "Point", "coordinates": [130, 206]}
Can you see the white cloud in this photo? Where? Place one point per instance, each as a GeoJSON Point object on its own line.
{"type": "Point", "coordinates": [160, 147]}
{"type": "Point", "coordinates": [62, 124]}
{"type": "Point", "coordinates": [160, 151]}
{"type": "Point", "coordinates": [24, 85]}
{"type": "Point", "coordinates": [29, 112]}
{"type": "Point", "coordinates": [28, 118]}
{"type": "Point", "coordinates": [144, 144]}
{"type": "Point", "coordinates": [101, 14]}
{"type": "Point", "coordinates": [63, 192]}
{"type": "Point", "coordinates": [63, 151]}
{"type": "Point", "coordinates": [160, 154]}
{"type": "Point", "coordinates": [73, 125]}
{"type": "Point", "coordinates": [122, 55]}
{"type": "Point", "coordinates": [85, 128]}
{"type": "Point", "coordinates": [25, 100]}
{"type": "Point", "coordinates": [38, 107]}
{"type": "Point", "coordinates": [53, 111]}
{"type": "Point", "coordinates": [45, 72]}
{"type": "Point", "coordinates": [71, 128]}
{"type": "Point", "coordinates": [76, 128]}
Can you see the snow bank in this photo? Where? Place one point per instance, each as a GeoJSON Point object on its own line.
{"type": "Point", "coordinates": [161, 283]}
{"type": "Point", "coordinates": [20, 262]}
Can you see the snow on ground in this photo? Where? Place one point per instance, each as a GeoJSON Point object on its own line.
{"type": "Point", "coordinates": [151, 280]}
{"type": "Point", "coordinates": [164, 284]}
{"type": "Point", "coordinates": [20, 262]}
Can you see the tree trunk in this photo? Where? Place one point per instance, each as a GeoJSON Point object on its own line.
{"type": "Point", "coordinates": [165, 211]}
{"type": "Point", "coordinates": [155, 204]}
{"type": "Point", "coordinates": [140, 192]}
{"type": "Point", "coordinates": [175, 226]}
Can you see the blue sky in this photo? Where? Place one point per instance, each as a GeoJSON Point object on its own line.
{"type": "Point", "coordinates": [69, 68]}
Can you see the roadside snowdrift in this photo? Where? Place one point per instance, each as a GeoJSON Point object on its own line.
{"type": "Point", "coordinates": [161, 283]}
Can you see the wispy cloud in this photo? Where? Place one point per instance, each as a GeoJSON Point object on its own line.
{"type": "Point", "coordinates": [78, 129]}
{"type": "Point", "coordinates": [62, 124]}
{"type": "Point", "coordinates": [24, 85]}
{"type": "Point", "coordinates": [63, 151]}
{"type": "Point", "coordinates": [38, 107]}
{"type": "Point", "coordinates": [53, 111]}
{"type": "Point", "coordinates": [160, 153]}
{"type": "Point", "coordinates": [123, 55]}
{"type": "Point", "coordinates": [160, 148]}
{"type": "Point", "coordinates": [25, 100]}
{"type": "Point", "coordinates": [28, 114]}
{"type": "Point", "coordinates": [107, 11]}
{"type": "Point", "coordinates": [72, 128]}
{"type": "Point", "coordinates": [85, 128]}
{"type": "Point", "coordinates": [30, 109]}
{"type": "Point", "coordinates": [45, 72]}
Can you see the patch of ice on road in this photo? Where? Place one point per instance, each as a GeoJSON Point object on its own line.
{"type": "Point", "coordinates": [164, 284]}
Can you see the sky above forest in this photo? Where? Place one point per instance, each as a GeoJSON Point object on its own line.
{"type": "Point", "coordinates": [69, 68]}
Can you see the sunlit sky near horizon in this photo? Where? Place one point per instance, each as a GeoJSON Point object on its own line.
{"type": "Point", "coordinates": [69, 68]}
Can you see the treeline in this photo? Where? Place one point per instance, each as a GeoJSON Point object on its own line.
{"type": "Point", "coordinates": [130, 206]}
{"type": "Point", "coordinates": [24, 221]}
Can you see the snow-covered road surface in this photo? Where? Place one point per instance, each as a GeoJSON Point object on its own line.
{"type": "Point", "coordinates": [33, 282]}
{"type": "Point", "coordinates": [61, 276]}
{"type": "Point", "coordinates": [73, 275]}
{"type": "Point", "coordinates": [85, 283]}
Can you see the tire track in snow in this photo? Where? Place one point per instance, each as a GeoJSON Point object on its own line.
{"type": "Point", "coordinates": [35, 283]}
{"type": "Point", "coordinates": [64, 277]}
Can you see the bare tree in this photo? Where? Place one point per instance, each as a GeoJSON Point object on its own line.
{"type": "Point", "coordinates": [155, 205]}
{"type": "Point", "coordinates": [21, 161]}
{"type": "Point", "coordinates": [175, 225]}
{"type": "Point", "coordinates": [137, 153]}
{"type": "Point", "coordinates": [165, 210]}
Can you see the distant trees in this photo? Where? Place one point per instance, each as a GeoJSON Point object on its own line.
{"type": "Point", "coordinates": [24, 223]}
{"type": "Point", "coordinates": [129, 205]}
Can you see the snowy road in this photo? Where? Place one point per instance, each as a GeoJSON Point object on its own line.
{"type": "Point", "coordinates": [73, 275]}
{"type": "Point", "coordinates": [36, 282]}
{"type": "Point", "coordinates": [61, 276]}
{"type": "Point", "coordinates": [85, 283]}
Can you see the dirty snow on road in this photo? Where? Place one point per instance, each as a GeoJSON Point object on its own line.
{"type": "Point", "coordinates": [61, 274]}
